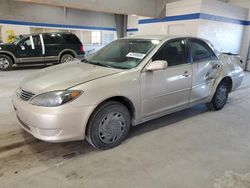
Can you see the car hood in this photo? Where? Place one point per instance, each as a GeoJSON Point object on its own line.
{"type": "Point", "coordinates": [6, 46]}
{"type": "Point", "coordinates": [65, 76]}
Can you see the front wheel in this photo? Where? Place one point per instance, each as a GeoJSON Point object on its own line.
{"type": "Point", "coordinates": [108, 126]}
{"type": "Point", "coordinates": [5, 62]}
{"type": "Point", "coordinates": [66, 58]}
{"type": "Point", "coordinates": [220, 97]}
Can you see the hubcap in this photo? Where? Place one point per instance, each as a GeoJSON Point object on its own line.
{"type": "Point", "coordinates": [221, 95]}
{"type": "Point", "coordinates": [4, 63]}
{"type": "Point", "coordinates": [67, 59]}
{"type": "Point", "coordinates": [111, 127]}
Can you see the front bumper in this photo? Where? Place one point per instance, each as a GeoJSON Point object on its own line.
{"type": "Point", "coordinates": [55, 124]}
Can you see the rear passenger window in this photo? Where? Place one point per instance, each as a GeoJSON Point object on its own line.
{"type": "Point", "coordinates": [52, 38]}
{"type": "Point", "coordinates": [174, 52]}
{"type": "Point", "coordinates": [71, 39]}
{"type": "Point", "coordinates": [200, 51]}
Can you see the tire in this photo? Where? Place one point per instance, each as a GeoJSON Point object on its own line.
{"type": "Point", "coordinates": [5, 62]}
{"type": "Point", "coordinates": [108, 126]}
{"type": "Point", "coordinates": [220, 97]}
{"type": "Point", "coordinates": [66, 58]}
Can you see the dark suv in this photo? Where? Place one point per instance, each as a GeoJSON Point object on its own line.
{"type": "Point", "coordinates": [40, 49]}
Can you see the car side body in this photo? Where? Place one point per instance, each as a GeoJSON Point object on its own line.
{"type": "Point", "coordinates": [41, 48]}
{"type": "Point", "coordinates": [148, 90]}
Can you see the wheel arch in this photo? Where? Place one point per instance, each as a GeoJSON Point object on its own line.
{"type": "Point", "coordinates": [229, 82]}
{"type": "Point", "coordinates": [227, 79]}
{"type": "Point", "coordinates": [13, 58]}
{"type": "Point", "coordinates": [67, 51]}
{"type": "Point", "coordinates": [123, 100]}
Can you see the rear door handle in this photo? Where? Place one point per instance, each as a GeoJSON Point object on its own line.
{"type": "Point", "coordinates": [186, 74]}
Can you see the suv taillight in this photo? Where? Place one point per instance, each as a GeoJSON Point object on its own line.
{"type": "Point", "coordinates": [81, 48]}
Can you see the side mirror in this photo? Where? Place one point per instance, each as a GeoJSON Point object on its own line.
{"type": "Point", "coordinates": [22, 47]}
{"type": "Point", "coordinates": [157, 65]}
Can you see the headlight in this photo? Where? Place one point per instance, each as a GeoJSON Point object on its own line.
{"type": "Point", "coordinates": [53, 99]}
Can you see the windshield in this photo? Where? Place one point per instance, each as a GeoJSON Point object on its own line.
{"type": "Point", "coordinates": [123, 54]}
{"type": "Point", "coordinates": [17, 40]}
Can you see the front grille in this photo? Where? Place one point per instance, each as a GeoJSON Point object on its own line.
{"type": "Point", "coordinates": [26, 95]}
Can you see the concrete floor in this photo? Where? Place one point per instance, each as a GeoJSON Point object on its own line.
{"type": "Point", "coordinates": [189, 149]}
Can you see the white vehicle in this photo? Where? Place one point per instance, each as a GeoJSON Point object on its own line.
{"type": "Point", "coordinates": [128, 82]}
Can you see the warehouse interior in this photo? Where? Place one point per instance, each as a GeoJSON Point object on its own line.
{"type": "Point", "coordinates": [191, 148]}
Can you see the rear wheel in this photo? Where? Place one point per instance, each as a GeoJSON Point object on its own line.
{"type": "Point", "coordinates": [5, 62]}
{"type": "Point", "coordinates": [66, 58]}
{"type": "Point", "coordinates": [220, 97]}
{"type": "Point", "coordinates": [108, 126]}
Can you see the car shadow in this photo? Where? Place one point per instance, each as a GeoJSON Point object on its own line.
{"type": "Point", "coordinates": [167, 120]}
{"type": "Point", "coordinates": [28, 67]}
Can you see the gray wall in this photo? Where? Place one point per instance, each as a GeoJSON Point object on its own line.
{"type": "Point", "coordinates": [139, 7]}
{"type": "Point", "coordinates": [13, 10]}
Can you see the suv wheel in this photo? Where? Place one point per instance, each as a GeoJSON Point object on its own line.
{"type": "Point", "coordinates": [220, 97]}
{"type": "Point", "coordinates": [66, 58]}
{"type": "Point", "coordinates": [5, 62]}
{"type": "Point", "coordinates": [108, 126]}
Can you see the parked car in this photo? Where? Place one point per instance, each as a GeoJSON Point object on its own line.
{"type": "Point", "coordinates": [40, 49]}
{"type": "Point", "coordinates": [128, 82]}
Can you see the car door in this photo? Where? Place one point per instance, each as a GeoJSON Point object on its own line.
{"type": "Point", "coordinates": [53, 43]}
{"type": "Point", "coordinates": [204, 61]}
{"type": "Point", "coordinates": [29, 50]}
{"type": "Point", "coordinates": [169, 89]}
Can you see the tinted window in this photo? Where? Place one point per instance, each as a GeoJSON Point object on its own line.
{"type": "Point", "coordinates": [71, 39]}
{"type": "Point", "coordinates": [174, 52]}
{"type": "Point", "coordinates": [200, 51]}
{"type": "Point", "coordinates": [36, 40]}
{"type": "Point", "coordinates": [52, 38]}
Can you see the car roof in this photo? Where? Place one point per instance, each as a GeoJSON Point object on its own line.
{"type": "Point", "coordinates": [151, 37]}
{"type": "Point", "coordinates": [51, 33]}
{"type": "Point", "coordinates": [162, 37]}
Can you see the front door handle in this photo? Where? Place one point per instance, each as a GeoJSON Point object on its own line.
{"type": "Point", "coordinates": [186, 74]}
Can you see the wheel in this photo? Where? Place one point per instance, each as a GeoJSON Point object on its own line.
{"type": "Point", "coordinates": [66, 58]}
{"type": "Point", "coordinates": [5, 62]}
{"type": "Point", "coordinates": [108, 126]}
{"type": "Point", "coordinates": [220, 97]}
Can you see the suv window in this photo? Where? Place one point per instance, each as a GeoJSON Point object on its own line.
{"type": "Point", "coordinates": [71, 39]}
{"type": "Point", "coordinates": [174, 52]}
{"type": "Point", "coordinates": [52, 38]}
{"type": "Point", "coordinates": [26, 42]}
{"type": "Point", "coordinates": [201, 51]}
{"type": "Point", "coordinates": [36, 40]}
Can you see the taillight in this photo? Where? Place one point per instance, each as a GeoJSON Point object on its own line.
{"type": "Point", "coordinates": [81, 48]}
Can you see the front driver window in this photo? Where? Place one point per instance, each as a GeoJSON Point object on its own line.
{"type": "Point", "coordinates": [173, 52]}
{"type": "Point", "coordinates": [26, 43]}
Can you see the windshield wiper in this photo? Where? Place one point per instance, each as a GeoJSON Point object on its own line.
{"type": "Point", "coordinates": [95, 63]}
{"type": "Point", "coordinates": [117, 67]}
{"type": "Point", "coordinates": [100, 64]}
{"type": "Point", "coordinates": [103, 65]}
